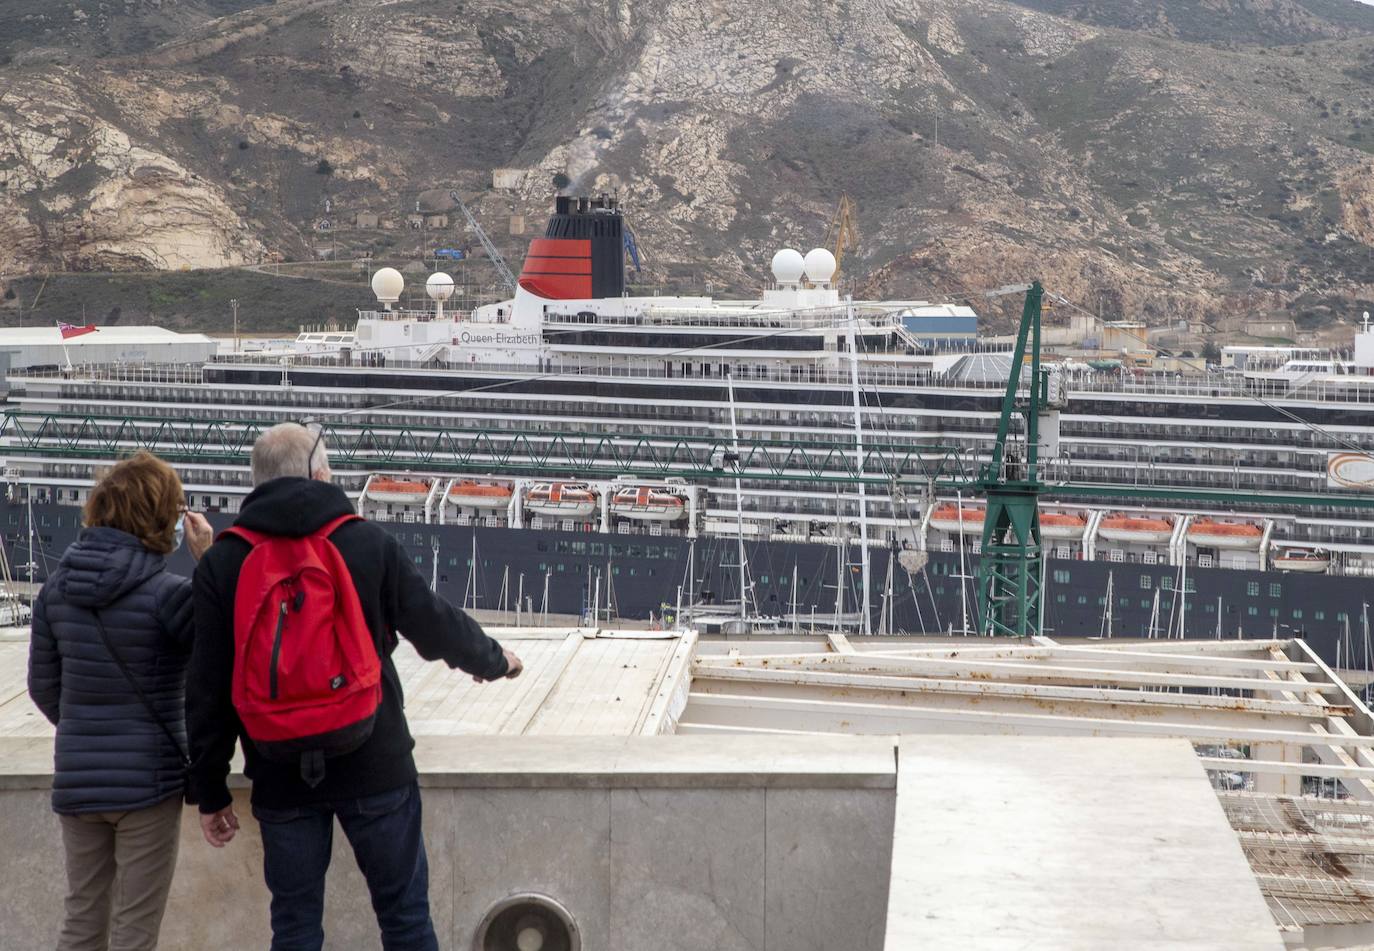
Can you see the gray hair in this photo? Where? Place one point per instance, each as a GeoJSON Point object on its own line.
{"type": "Point", "coordinates": [283, 451]}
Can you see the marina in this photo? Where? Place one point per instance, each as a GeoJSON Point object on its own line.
{"type": "Point", "coordinates": [646, 458]}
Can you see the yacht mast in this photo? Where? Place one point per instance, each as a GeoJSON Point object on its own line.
{"type": "Point", "coordinates": [739, 493]}
{"type": "Point", "coordinates": [859, 462]}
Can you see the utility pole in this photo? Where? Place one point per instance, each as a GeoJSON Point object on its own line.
{"type": "Point", "coordinates": [234, 303]}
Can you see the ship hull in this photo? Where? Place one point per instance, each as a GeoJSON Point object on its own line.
{"type": "Point", "coordinates": [642, 575]}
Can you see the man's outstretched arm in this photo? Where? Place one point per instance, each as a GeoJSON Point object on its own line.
{"type": "Point", "coordinates": [438, 630]}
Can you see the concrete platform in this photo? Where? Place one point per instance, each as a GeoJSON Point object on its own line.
{"type": "Point", "coordinates": [1066, 844]}
{"type": "Point", "coordinates": [578, 681]}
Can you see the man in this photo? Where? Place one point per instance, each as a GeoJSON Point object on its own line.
{"type": "Point", "coordinates": [371, 790]}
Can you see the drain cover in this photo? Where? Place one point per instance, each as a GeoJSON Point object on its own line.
{"type": "Point", "coordinates": [527, 923]}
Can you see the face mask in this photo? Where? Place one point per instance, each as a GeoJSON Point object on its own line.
{"type": "Point", "coordinates": [179, 532]}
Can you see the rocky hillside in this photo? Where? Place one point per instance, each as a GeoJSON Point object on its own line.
{"type": "Point", "coordinates": [1159, 158]}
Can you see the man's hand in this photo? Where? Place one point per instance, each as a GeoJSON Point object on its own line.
{"type": "Point", "coordinates": [199, 535]}
{"type": "Point", "coordinates": [219, 827]}
{"type": "Point", "coordinates": [513, 667]}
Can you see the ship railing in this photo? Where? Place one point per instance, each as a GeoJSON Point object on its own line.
{"type": "Point", "coordinates": [752, 319]}
{"type": "Point", "coordinates": [1152, 384]}
{"type": "Point", "coordinates": [791, 373]}
{"type": "Point", "coordinates": [119, 372]}
{"type": "Point", "coordinates": [1216, 387]}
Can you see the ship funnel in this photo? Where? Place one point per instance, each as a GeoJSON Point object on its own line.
{"type": "Point", "coordinates": [582, 253]}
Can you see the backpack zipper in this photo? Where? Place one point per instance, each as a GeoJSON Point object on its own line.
{"type": "Point", "coordinates": [276, 651]}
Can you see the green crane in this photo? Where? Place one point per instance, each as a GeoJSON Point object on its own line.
{"type": "Point", "coordinates": [1010, 570]}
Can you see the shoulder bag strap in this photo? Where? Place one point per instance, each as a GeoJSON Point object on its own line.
{"type": "Point", "coordinates": [129, 676]}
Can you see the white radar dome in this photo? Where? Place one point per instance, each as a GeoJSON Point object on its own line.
{"type": "Point", "coordinates": [439, 286]}
{"type": "Point", "coordinates": [820, 265]}
{"type": "Point", "coordinates": [788, 266]}
{"type": "Point", "coordinates": [387, 284]}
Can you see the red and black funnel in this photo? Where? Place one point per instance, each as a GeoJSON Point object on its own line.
{"type": "Point", "coordinates": [582, 253]}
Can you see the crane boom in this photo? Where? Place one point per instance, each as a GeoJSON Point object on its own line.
{"type": "Point", "coordinates": [507, 278]}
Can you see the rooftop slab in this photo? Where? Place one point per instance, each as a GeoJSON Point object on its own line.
{"type": "Point", "coordinates": [1066, 844]}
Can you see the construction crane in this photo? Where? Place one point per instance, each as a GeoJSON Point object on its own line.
{"type": "Point", "coordinates": [507, 278]}
{"type": "Point", "coordinates": [841, 234]}
{"type": "Point", "coordinates": [1011, 567]}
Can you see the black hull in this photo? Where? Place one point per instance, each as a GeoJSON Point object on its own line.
{"type": "Point", "coordinates": [648, 574]}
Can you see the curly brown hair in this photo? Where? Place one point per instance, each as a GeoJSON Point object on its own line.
{"type": "Point", "coordinates": [141, 495]}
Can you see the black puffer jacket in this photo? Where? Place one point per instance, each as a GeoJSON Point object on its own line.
{"type": "Point", "coordinates": [111, 754]}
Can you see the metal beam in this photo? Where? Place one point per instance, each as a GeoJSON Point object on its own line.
{"type": "Point", "coordinates": [918, 667]}
{"type": "Point", "coordinates": [847, 684]}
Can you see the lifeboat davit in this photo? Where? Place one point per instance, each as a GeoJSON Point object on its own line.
{"type": "Point", "coordinates": [398, 491]}
{"type": "Point", "coordinates": [1062, 525]}
{"type": "Point", "coordinates": [1210, 533]}
{"type": "Point", "coordinates": [1138, 529]}
{"type": "Point", "coordinates": [561, 499]}
{"type": "Point", "coordinates": [480, 495]}
{"type": "Point", "coordinates": [1312, 561]}
{"type": "Point", "coordinates": [946, 518]}
{"type": "Point", "coordinates": [647, 504]}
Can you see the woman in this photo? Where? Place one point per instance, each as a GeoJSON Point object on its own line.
{"type": "Point", "coordinates": [107, 665]}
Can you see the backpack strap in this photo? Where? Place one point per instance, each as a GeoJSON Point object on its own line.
{"type": "Point", "coordinates": [257, 538]}
{"type": "Point", "coordinates": [328, 528]}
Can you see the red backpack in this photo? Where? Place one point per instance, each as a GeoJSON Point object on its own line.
{"type": "Point", "coordinates": [307, 678]}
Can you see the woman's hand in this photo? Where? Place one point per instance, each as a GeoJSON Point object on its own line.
{"type": "Point", "coordinates": [199, 535]}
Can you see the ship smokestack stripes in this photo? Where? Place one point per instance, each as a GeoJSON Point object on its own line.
{"type": "Point", "coordinates": [582, 253]}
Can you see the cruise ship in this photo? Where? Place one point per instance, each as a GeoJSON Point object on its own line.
{"type": "Point", "coordinates": [800, 460]}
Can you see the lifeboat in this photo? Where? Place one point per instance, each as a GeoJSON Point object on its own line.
{"type": "Point", "coordinates": [1312, 561]}
{"type": "Point", "coordinates": [398, 491]}
{"type": "Point", "coordinates": [647, 504]}
{"type": "Point", "coordinates": [1062, 525]}
{"type": "Point", "coordinates": [946, 518]}
{"type": "Point", "coordinates": [1144, 530]}
{"type": "Point", "coordinates": [1210, 533]}
{"type": "Point", "coordinates": [480, 495]}
{"type": "Point", "coordinates": [561, 499]}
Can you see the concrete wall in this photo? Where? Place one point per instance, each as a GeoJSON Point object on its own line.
{"type": "Point", "coordinates": [668, 843]}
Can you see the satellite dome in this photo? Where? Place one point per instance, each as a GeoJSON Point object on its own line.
{"type": "Point", "coordinates": [820, 265]}
{"type": "Point", "coordinates": [788, 266]}
{"type": "Point", "coordinates": [439, 286]}
{"type": "Point", "coordinates": [387, 284]}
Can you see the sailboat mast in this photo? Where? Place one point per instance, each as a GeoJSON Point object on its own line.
{"type": "Point", "coordinates": [859, 462]}
{"type": "Point", "coordinates": [739, 493]}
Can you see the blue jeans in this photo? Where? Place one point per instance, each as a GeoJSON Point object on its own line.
{"type": "Point", "coordinates": [384, 831]}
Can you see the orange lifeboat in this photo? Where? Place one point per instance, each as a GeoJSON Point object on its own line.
{"type": "Point", "coordinates": [1312, 561]}
{"type": "Point", "coordinates": [1145, 530]}
{"type": "Point", "coordinates": [1062, 525]}
{"type": "Point", "coordinates": [1210, 533]}
{"type": "Point", "coordinates": [480, 495]}
{"type": "Point", "coordinates": [647, 504]}
{"type": "Point", "coordinates": [398, 491]}
{"type": "Point", "coordinates": [561, 499]}
{"type": "Point", "coordinates": [946, 518]}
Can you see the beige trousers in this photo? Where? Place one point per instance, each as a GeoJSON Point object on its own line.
{"type": "Point", "coordinates": [119, 870]}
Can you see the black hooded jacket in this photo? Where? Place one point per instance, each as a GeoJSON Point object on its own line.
{"type": "Point", "coordinates": [394, 598]}
{"type": "Point", "coordinates": [110, 754]}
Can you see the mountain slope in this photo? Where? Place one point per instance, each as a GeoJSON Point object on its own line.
{"type": "Point", "coordinates": [1149, 171]}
